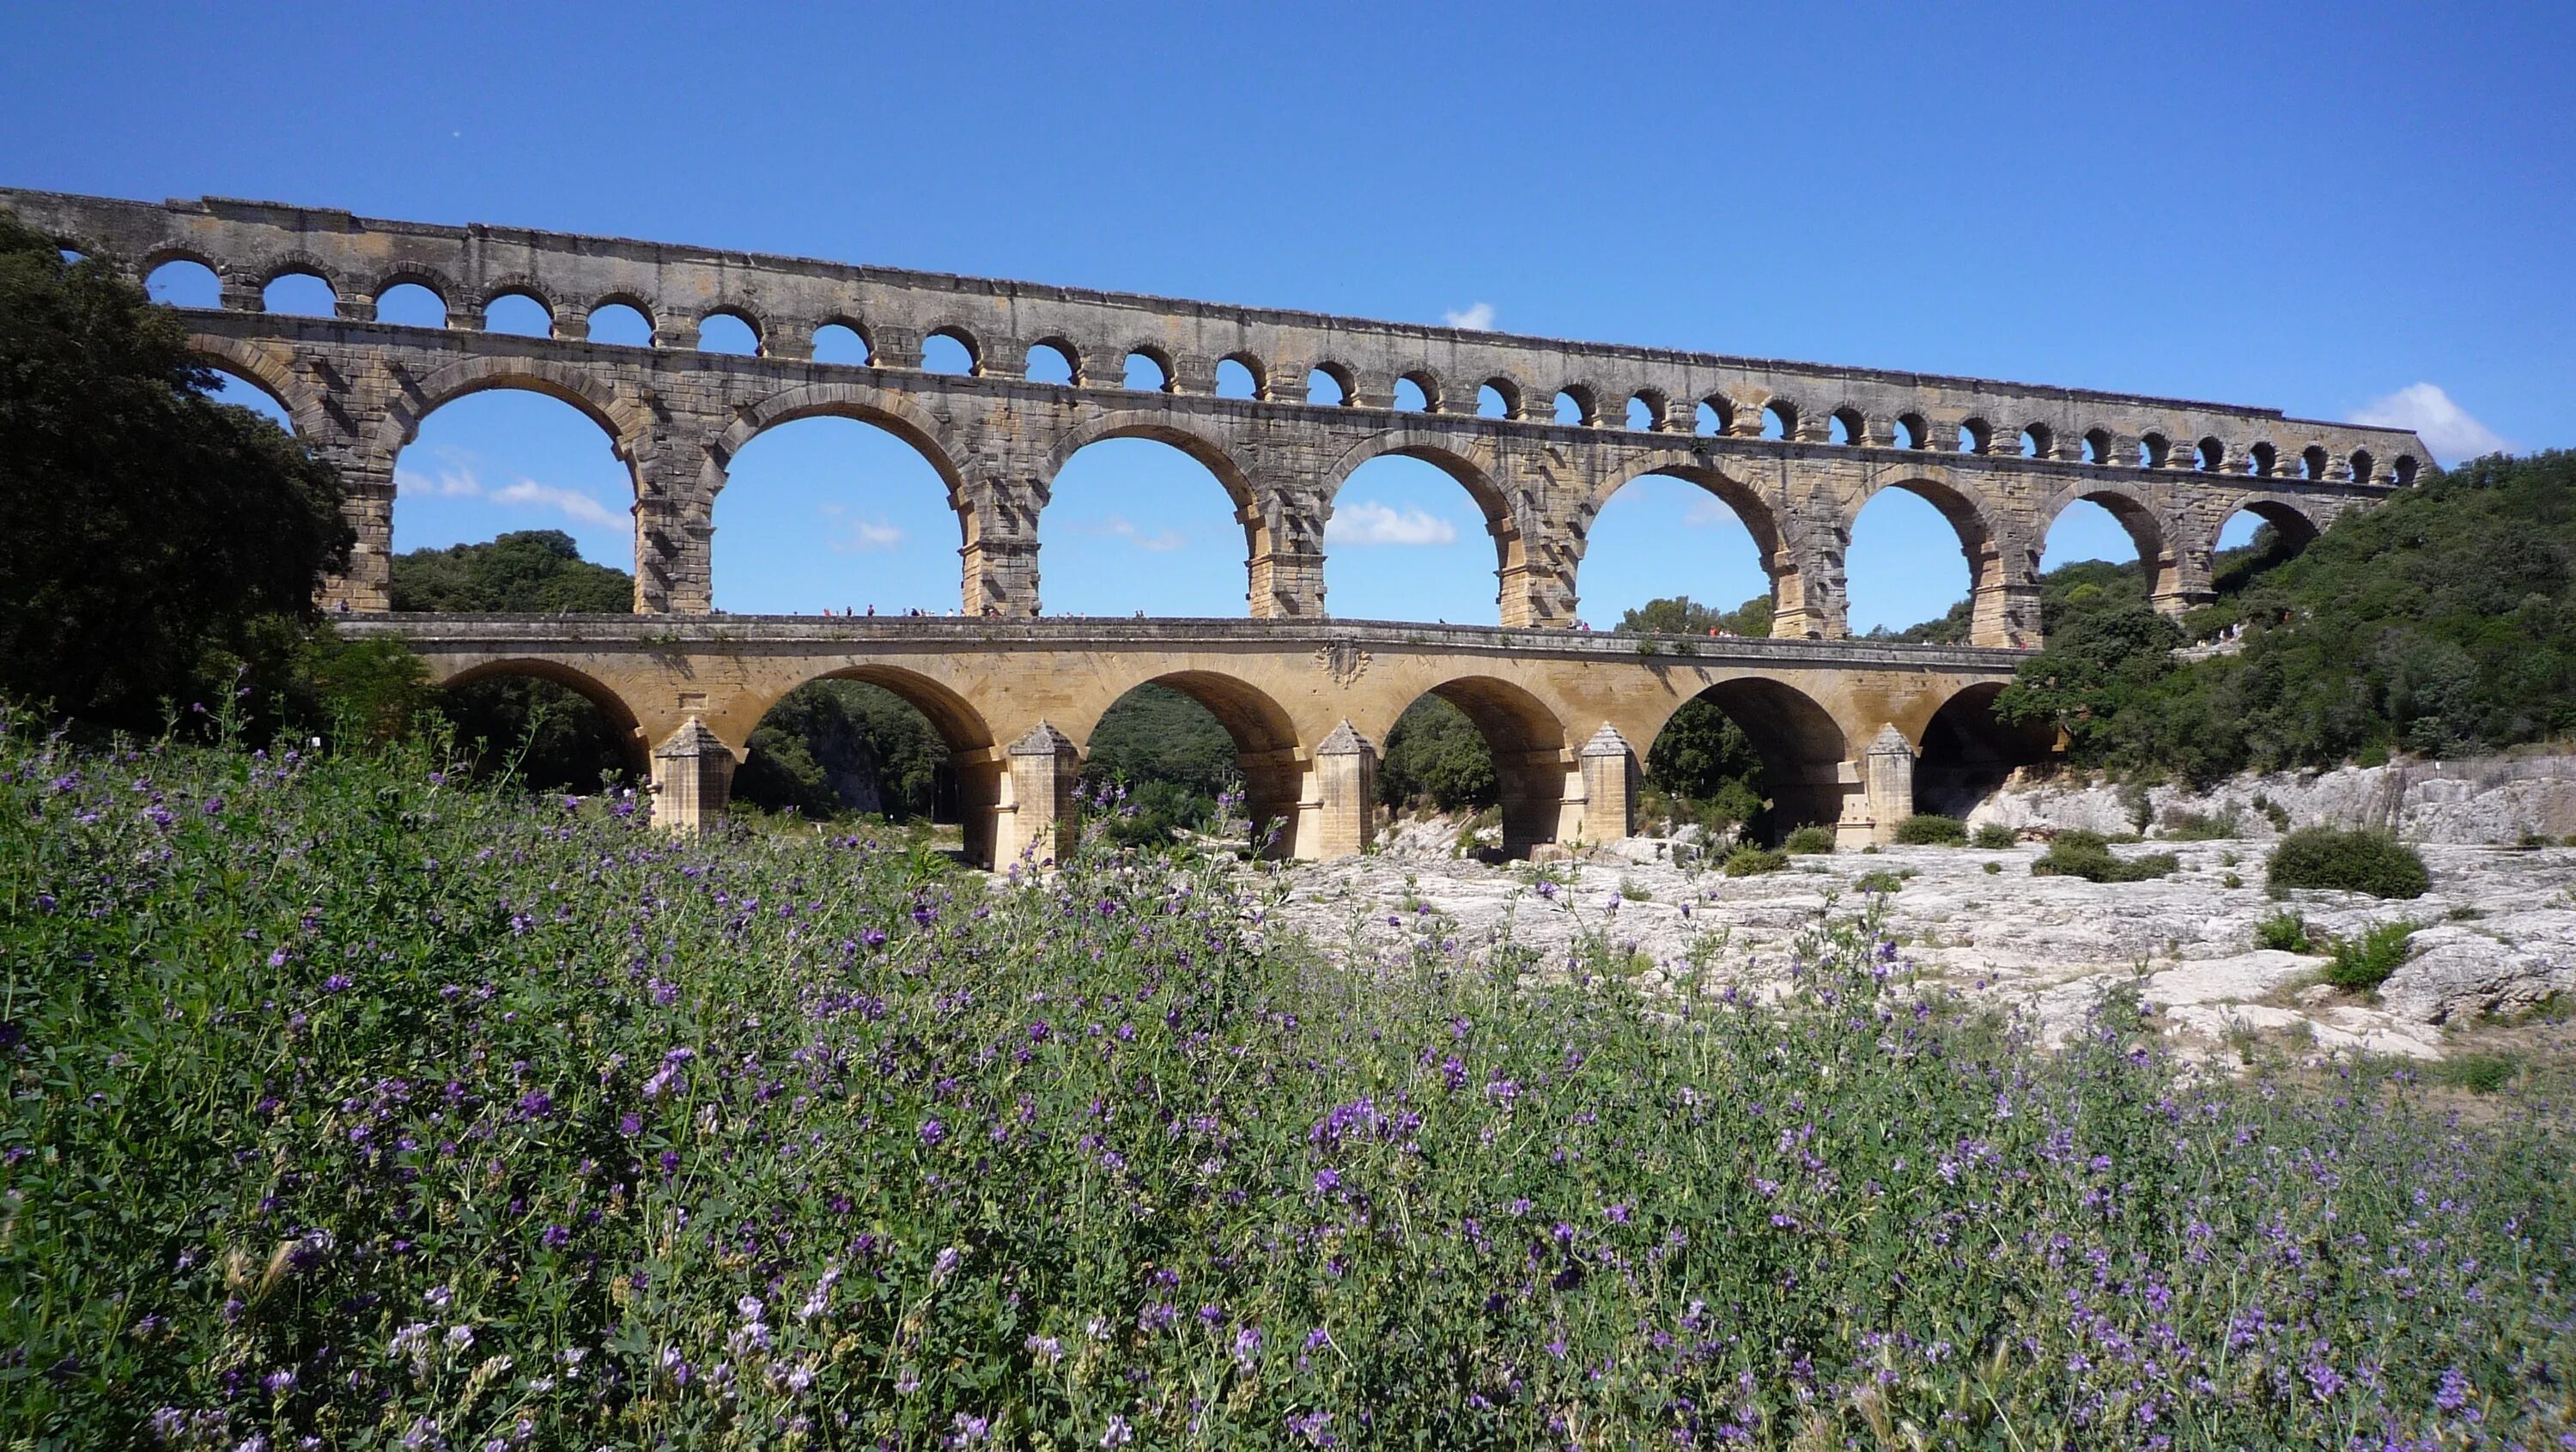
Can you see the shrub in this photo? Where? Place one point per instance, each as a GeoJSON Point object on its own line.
{"type": "Point", "coordinates": [1879, 881]}
{"type": "Point", "coordinates": [2365, 962]}
{"type": "Point", "coordinates": [2285, 932]}
{"type": "Point", "coordinates": [2477, 1073]}
{"type": "Point", "coordinates": [2358, 861]}
{"type": "Point", "coordinates": [2088, 855]}
{"type": "Point", "coordinates": [1994, 837]}
{"type": "Point", "coordinates": [1925, 829]}
{"type": "Point", "coordinates": [2196, 827]}
{"type": "Point", "coordinates": [1807, 841]}
{"type": "Point", "coordinates": [1994, 867]}
{"type": "Point", "coordinates": [1749, 861]}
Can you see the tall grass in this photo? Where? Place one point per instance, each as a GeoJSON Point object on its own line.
{"type": "Point", "coordinates": [354, 1103]}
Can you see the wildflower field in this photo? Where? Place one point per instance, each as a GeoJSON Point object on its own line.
{"type": "Point", "coordinates": [352, 1105]}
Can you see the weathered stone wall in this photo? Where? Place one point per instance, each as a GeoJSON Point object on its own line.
{"type": "Point", "coordinates": [2171, 470]}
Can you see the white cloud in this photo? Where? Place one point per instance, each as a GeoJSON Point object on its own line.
{"type": "Point", "coordinates": [2447, 428]}
{"type": "Point", "coordinates": [1707, 510]}
{"type": "Point", "coordinates": [864, 536]}
{"type": "Point", "coordinates": [1475, 319]}
{"type": "Point", "coordinates": [1119, 527]}
{"type": "Point", "coordinates": [1367, 522]}
{"type": "Point", "coordinates": [458, 480]}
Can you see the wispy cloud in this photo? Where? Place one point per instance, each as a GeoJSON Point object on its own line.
{"type": "Point", "coordinates": [1476, 318]}
{"type": "Point", "coordinates": [1367, 522]}
{"type": "Point", "coordinates": [457, 479]}
{"type": "Point", "coordinates": [859, 535]}
{"type": "Point", "coordinates": [2447, 429]}
{"type": "Point", "coordinates": [1707, 510]}
{"type": "Point", "coordinates": [1119, 527]}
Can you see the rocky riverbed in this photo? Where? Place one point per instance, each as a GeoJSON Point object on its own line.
{"type": "Point", "coordinates": [2497, 933]}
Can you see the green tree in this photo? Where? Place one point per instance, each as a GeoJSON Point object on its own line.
{"type": "Point", "coordinates": [1681, 615]}
{"type": "Point", "coordinates": [1436, 756]}
{"type": "Point", "coordinates": [159, 544]}
{"type": "Point", "coordinates": [528, 570]}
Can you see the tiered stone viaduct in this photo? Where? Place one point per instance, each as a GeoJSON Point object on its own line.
{"type": "Point", "coordinates": [1794, 449]}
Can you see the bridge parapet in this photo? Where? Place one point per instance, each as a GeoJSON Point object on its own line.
{"type": "Point", "coordinates": [1999, 459]}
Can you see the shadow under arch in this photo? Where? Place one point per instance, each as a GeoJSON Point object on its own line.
{"type": "Point", "coordinates": [1967, 753]}
{"type": "Point", "coordinates": [974, 764]}
{"type": "Point", "coordinates": [1527, 742]}
{"type": "Point", "coordinates": [1801, 747]}
{"type": "Point", "coordinates": [1265, 746]}
{"type": "Point", "coordinates": [1511, 549]}
{"type": "Point", "coordinates": [634, 752]}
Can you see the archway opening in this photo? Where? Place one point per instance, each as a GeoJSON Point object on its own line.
{"type": "Point", "coordinates": [1779, 420]}
{"type": "Point", "coordinates": [1967, 753]}
{"type": "Point", "coordinates": [1975, 436]}
{"type": "Point", "coordinates": [1199, 753]}
{"type": "Point", "coordinates": [949, 351]}
{"type": "Point", "coordinates": [1328, 386]}
{"type": "Point", "coordinates": [1573, 406]}
{"type": "Point", "coordinates": [1050, 363]}
{"type": "Point", "coordinates": [835, 514]}
{"type": "Point", "coordinates": [1409, 397]}
{"type": "Point", "coordinates": [1678, 554]}
{"type": "Point", "coordinates": [840, 343]}
{"type": "Point", "coordinates": [1492, 402]}
{"type": "Point", "coordinates": [508, 460]}
{"type": "Point", "coordinates": [1910, 569]}
{"type": "Point", "coordinates": [1235, 379]}
{"type": "Point", "coordinates": [2256, 540]}
{"type": "Point", "coordinates": [546, 728]}
{"type": "Point", "coordinates": [1849, 427]}
{"type": "Point", "coordinates": [622, 325]}
{"type": "Point", "coordinates": [520, 315]}
{"type": "Point", "coordinates": [181, 283]}
{"type": "Point", "coordinates": [1137, 526]}
{"type": "Point", "coordinates": [411, 305]}
{"type": "Point", "coordinates": [728, 333]}
{"type": "Point", "coordinates": [1644, 414]}
{"type": "Point", "coordinates": [2100, 551]}
{"type": "Point", "coordinates": [1912, 432]}
{"type": "Point", "coordinates": [1711, 417]}
{"type": "Point", "coordinates": [1147, 373]}
{"type": "Point", "coordinates": [2036, 441]}
{"type": "Point", "coordinates": [303, 294]}
{"type": "Point", "coordinates": [1484, 750]}
{"type": "Point", "coordinates": [1748, 755]}
{"type": "Point", "coordinates": [2212, 455]}
{"type": "Point", "coordinates": [2098, 448]}
{"type": "Point", "coordinates": [863, 745]}
{"type": "Point", "coordinates": [1411, 540]}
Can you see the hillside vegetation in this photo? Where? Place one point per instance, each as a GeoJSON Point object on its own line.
{"type": "Point", "coordinates": [355, 1102]}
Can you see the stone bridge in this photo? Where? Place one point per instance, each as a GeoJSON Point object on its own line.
{"type": "Point", "coordinates": [1539, 433]}
{"type": "Point", "coordinates": [1850, 730]}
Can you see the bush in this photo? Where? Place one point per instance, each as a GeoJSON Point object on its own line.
{"type": "Point", "coordinates": [2285, 932]}
{"type": "Point", "coordinates": [1807, 841]}
{"type": "Point", "coordinates": [2477, 1073]}
{"type": "Point", "coordinates": [1993, 837]}
{"type": "Point", "coordinates": [2360, 861]}
{"type": "Point", "coordinates": [1925, 829]}
{"type": "Point", "coordinates": [2365, 962]}
{"type": "Point", "coordinates": [1879, 881]}
{"type": "Point", "coordinates": [2196, 827]}
{"type": "Point", "coordinates": [1749, 861]}
{"type": "Point", "coordinates": [1994, 867]}
{"type": "Point", "coordinates": [2088, 855]}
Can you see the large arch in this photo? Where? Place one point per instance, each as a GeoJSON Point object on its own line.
{"type": "Point", "coordinates": [1470, 472]}
{"type": "Point", "coordinates": [268, 369]}
{"type": "Point", "coordinates": [1737, 498]}
{"type": "Point", "coordinates": [625, 420]}
{"type": "Point", "coordinates": [1999, 595]}
{"type": "Point", "coordinates": [2148, 530]}
{"type": "Point", "coordinates": [1801, 745]}
{"type": "Point", "coordinates": [1528, 744]}
{"type": "Point", "coordinates": [1264, 736]}
{"type": "Point", "coordinates": [892, 413]}
{"type": "Point", "coordinates": [1211, 451]}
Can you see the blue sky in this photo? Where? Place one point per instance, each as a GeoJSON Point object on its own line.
{"type": "Point", "coordinates": [2341, 210]}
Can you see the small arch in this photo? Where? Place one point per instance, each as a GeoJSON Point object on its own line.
{"type": "Point", "coordinates": [1646, 411]}
{"type": "Point", "coordinates": [1051, 360]}
{"type": "Point", "coordinates": [2312, 461]}
{"type": "Point", "coordinates": [1240, 375]}
{"type": "Point", "coordinates": [1426, 388]}
{"type": "Point", "coordinates": [2154, 451]}
{"type": "Point", "coordinates": [1849, 427]}
{"type": "Point", "coordinates": [952, 350]}
{"type": "Point", "coordinates": [184, 282]}
{"type": "Point", "coordinates": [1328, 385]}
{"type": "Point", "coordinates": [839, 341]}
{"type": "Point", "coordinates": [1575, 405]}
{"type": "Point", "coordinates": [621, 321]}
{"type": "Point", "coordinates": [520, 314]}
{"type": "Point", "coordinates": [1409, 397]}
{"type": "Point", "coordinates": [1714, 417]}
{"type": "Point", "coordinates": [2097, 446]}
{"type": "Point", "coordinates": [2265, 459]}
{"type": "Point", "coordinates": [2404, 470]}
{"type": "Point", "coordinates": [2213, 455]}
{"type": "Point", "coordinates": [1779, 419]}
{"type": "Point", "coordinates": [1976, 436]}
{"type": "Point", "coordinates": [299, 291]}
{"type": "Point", "coordinates": [1498, 397]}
{"type": "Point", "coordinates": [2363, 466]}
{"type": "Point", "coordinates": [1148, 370]}
{"type": "Point", "coordinates": [411, 305]}
{"type": "Point", "coordinates": [729, 330]}
{"type": "Point", "coordinates": [2037, 441]}
{"type": "Point", "coordinates": [1913, 431]}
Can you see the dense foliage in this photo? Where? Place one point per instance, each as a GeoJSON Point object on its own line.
{"type": "Point", "coordinates": [1435, 757]}
{"type": "Point", "coordinates": [2441, 621]}
{"type": "Point", "coordinates": [2347, 861]}
{"type": "Point", "coordinates": [1928, 829]}
{"type": "Point", "coordinates": [355, 1103]}
{"type": "Point", "coordinates": [2088, 855]}
{"type": "Point", "coordinates": [831, 747]}
{"type": "Point", "coordinates": [538, 570]}
{"type": "Point", "coordinates": [161, 550]}
{"type": "Point", "coordinates": [1681, 615]}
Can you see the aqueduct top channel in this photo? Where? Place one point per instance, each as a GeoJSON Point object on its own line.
{"type": "Point", "coordinates": [1539, 432]}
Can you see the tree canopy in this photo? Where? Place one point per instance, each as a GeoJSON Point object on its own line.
{"type": "Point", "coordinates": [159, 544]}
{"type": "Point", "coordinates": [530, 569]}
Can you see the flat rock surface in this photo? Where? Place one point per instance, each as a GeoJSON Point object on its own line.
{"type": "Point", "coordinates": [2499, 928]}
